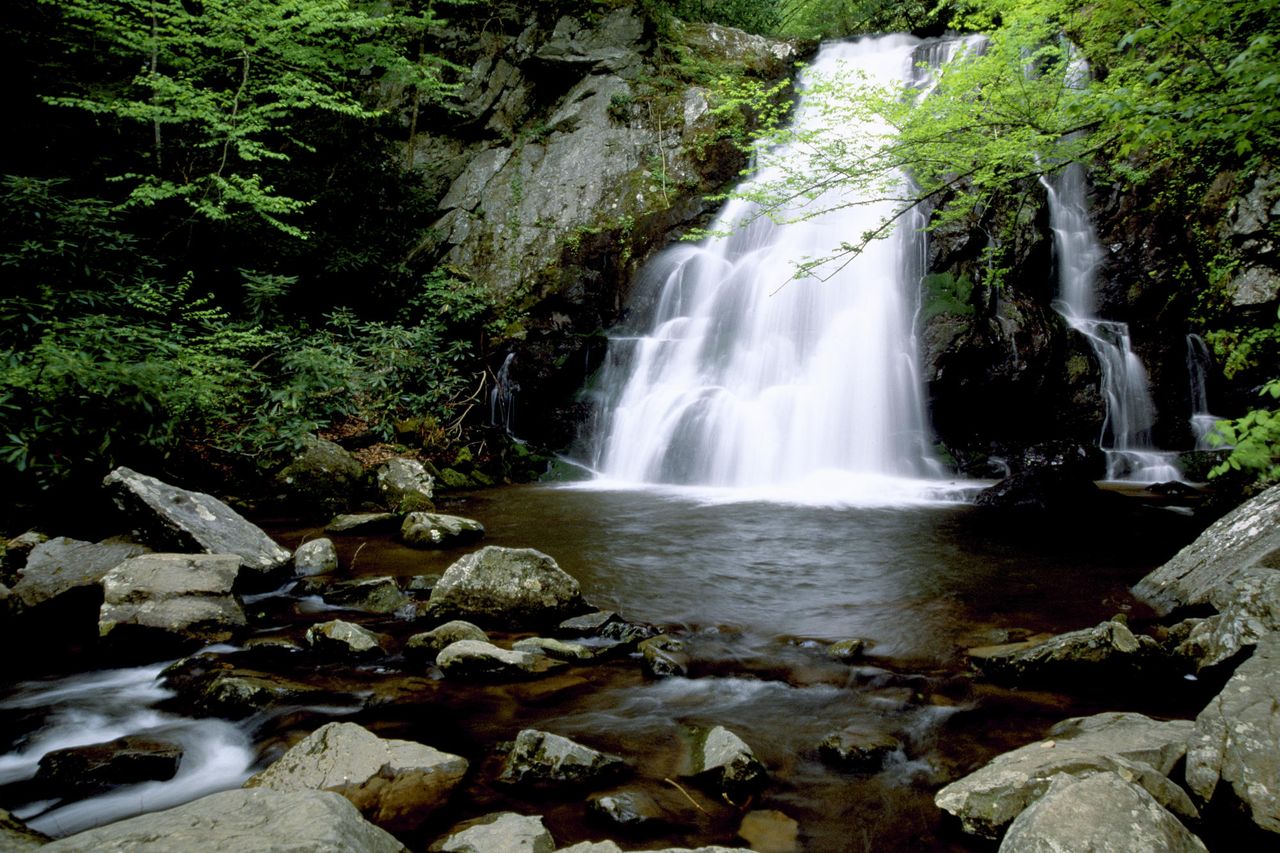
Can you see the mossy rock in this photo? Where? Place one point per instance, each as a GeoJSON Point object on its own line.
{"type": "Point", "coordinates": [455, 479]}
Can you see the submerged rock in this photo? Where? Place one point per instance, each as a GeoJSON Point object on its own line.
{"type": "Point", "coordinates": [260, 820]}
{"type": "Point", "coordinates": [316, 557]}
{"type": "Point", "coordinates": [1135, 746]}
{"type": "Point", "coordinates": [181, 598]}
{"type": "Point", "coordinates": [169, 518]}
{"type": "Point", "coordinates": [770, 831]}
{"type": "Point", "coordinates": [428, 644]}
{"type": "Point", "coordinates": [405, 485]}
{"type": "Point", "coordinates": [344, 638]}
{"type": "Point", "coordinates": [504, 832]}
{"type": "Point", "coordinates": [58, 566]}
{"type": "Point", "coordinates": [1102, 813]}
{"type": "Point", "coordinates": [664, 655]}
{"type": "Point", "coordinates": [541, 757]}
{"type": "Point", "coordinates": [1236, 737]}
{"type": "Point", "coordinates": [630, 810]}
{"type": "Point", "coordinates": [84, 770]}
{"type": "Point", "coordinates": [846, 650]}
{"type": "Point", "coordinates": [474, 659]}
{"type": "Point", "coordinates": [395, 783]}
{"type": "Point", "coordinates": [1108, 649]}
{"type": "Point", "coordinates": [858, 750]}
{"type": "Point", "coordinates": [723, 760]}
{"type": "Point", "coordinates": [506, 587]}
{"type": "Point", "coordinates": [432, 530]}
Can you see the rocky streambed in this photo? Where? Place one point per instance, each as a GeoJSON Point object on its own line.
{"type": "Point", "coordinates": [397, 681]}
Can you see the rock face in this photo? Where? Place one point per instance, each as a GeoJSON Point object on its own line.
{"type": "Point", "coordinates": [167, 517]}
{"type": "Point", "coordinates": [478, 660]}
{"type": "Point", "coordinates": [1248, 610]}
{"type": "Point", "coordinates": [60, 565]}
{"type": "Point", "coordinates": [322, 478]}
{"type": "Point", "coordinates": [345, 639]}
{"type": "Point", "coordinates": [506, 587]}
{"type": "Point", "coordinates": [431, 530]}
{"type": "Point", "coordinates": [1134, 746]}
{"type": "Point", "coordinates": [1102, 813]}
{"type": "Point", "coordinates": [1246, 537]}
{"type": "Point", "coordinates": [723, 760]}
{"type": "Point", "coordinates": [541, 757]}
{"type": "Point", "coordinates": [261, 820]}
{"type": "Point", "coordinates": [85, 770]}
{"type": "Point", "coordinates": [184, 597]}
{"type": "Point", "coordinates": [1106, 650]}
{"type": "Point", "coordinates": [1236, 737]}
{"type": "Point", "coordinates": [506, 832]}
{"type": "Point", "coordinates": [405, 485]}
{"type": "Point", "coordinates": [317, 557]}
{"type": "Point", "coordinates": [395, 783]}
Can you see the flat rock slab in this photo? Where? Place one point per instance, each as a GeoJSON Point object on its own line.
{"type": "Point", "coordinates": [260, 820]}
{"type": "Point", "coordinates": [395, 783]}
{"type": "Point", "coordinates": [169, 518]}
{"type": "Point", "coordinates": [1247, 536]}
{"type": "Point", "coordinates": [59, 565]}
{"type": "Point", "coordinates": [185, 596]}
{"type": "Point", "coordinates": [1237, 738]}
{"type": "Point", "coordinates": [1103, 813]}
{"type": "Point", "coordinates": [1135, 746]}
{"type": "Point", "coordinates": [505, 832]}
{"type": "Point", "coordinates": [541, 757]}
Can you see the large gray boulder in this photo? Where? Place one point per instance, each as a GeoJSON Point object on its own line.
{"type": "Point", "coordinates": [395, 783]}
{"type": "Point", "coordinates": [405, 485]}
{"type": "Point", "coordinates": [504, 832]}
{"type": "Point", "coordinates": [262, 821]}
{"type": "Point", "coordinates": [1137, 747]}
{"type": "Point", "coordinates": [1248, 609]}
{"type": "Point", "coordinates": [541, 757]}
{"type": "Point", "coordinates": [173, 519]}
{"type": "Point", "coordinates": [1108, 649]}
{"type": "Point", "coordinates": [1237, 738]}
{"type": "Point", "coordinates": [473, 659]}
{"type": "Point", "coordinates": [723, 760]}
{"type": "Point", "coordinates": [322, 477]}
{"type": "Point", "coordinates": [432, 530]}
{"type": "Point", "coordinates": [315, 557]}
{"type": "Point", "coordinates": [1102, 813]}
{"type": "Point", "coordinates": [60, 565]}
{"type": "Point", "coordinates": [506, 587]}
{"type": "Point", "coordinates": [1247, 536]}
{"type": "Point", "coordinates": [185, 598]}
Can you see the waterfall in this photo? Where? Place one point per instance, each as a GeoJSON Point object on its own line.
{"type": "Point", "coordinates": [502, 397]}
{"type": "Point", "coordinates": [1130, 414]}
{"type": "Point", "coordinates": [1198, 362]}
{"type": "Point", "coordinates": [744, 378]}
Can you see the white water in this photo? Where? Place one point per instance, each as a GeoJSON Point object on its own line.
{"type": "Point", "coordinates": [749, 382]}
{"type": "Point", "coordinates": [1202, 421]}
{"type": "Point", "coordinates": [1130, 414]}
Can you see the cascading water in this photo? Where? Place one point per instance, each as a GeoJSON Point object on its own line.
{"type": "Point", "coordinates": [1198, 362]}
{"type": "Point", "coordinates": [747, 379]}
{"type": "Point", "coordinates": [1130, 414]}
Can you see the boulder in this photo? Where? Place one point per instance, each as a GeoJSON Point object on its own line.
{"type": "Point", "coordinates": [558, 649]}
{"type": "Point", "coordinates": [372, 595]}
{"type": "Point", "coordinates": [395, 783]}
{"type": "Point", "coordinates": [80, 771]}
{"type": "Point", "coordinates": [363, 522]}
{"type": "Point", "coordinates": [1248, 609]}
{"type": "Point", "coordinates": [1247, 536]}
{"type": "Point", "coordinates": [541, 757]}
{"type": "Point", "coordinates": [432, 530]}
{"type": "Point", "coordinates": [1103, 813]}
{"type": "Point", "coordinates": [344, 639]}
{"type": "Point", "coordinates": [506, 587]}
{"type": "Point", "coordinates": [1135, 746]}
{"type": "Point", "coordinates": [1040, 490]}
{"type": "Point", "coordinates": [184, 598]}
{"type": "Point", "coordinates": [316, 557]}
{"type": "Point", "coordinates": [261, 820]}
{"type": "Point", "coordinates": [322, 477]}
{"type": "Point", "coordinates": [664, 655]}
{"type": "Point", "coordinates": [505, 832]}
{"type": "Point", "coordinates": [770, 831]}
{"type": "Point", "coordinates": [428, 644]}
{"type": "Point", "coordinates": [1109, 649]}
{"type": "Point", "coordinates": [630, 810]}
{"type": "Point", "coordinates": [17, 837]}
{"type": "Point", "coordinates": [723, 760]}
{"type": "Point", "coordinates": [858, 750]}
{"type": "Point", "coordinates": [238, 694]}
{"type": "Point", "coordinates": [479, 660]}
{"type": "Point", "coordinates": [405, 485]}
{"type": "Point", "coordinates": [169, 518]}
{"type": "Point", "coordinates": [1237, 735]}
{"type": "Point", "coordinates": [58, 566]}
{"type": "Point", "coordinates": [845, 651]}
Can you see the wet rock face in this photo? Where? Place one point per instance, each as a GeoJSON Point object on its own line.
{"type": "Point", "coordinates": [167, 517]}
{"type": "Point", "coordinates": [540, 758]}
{"type": "Point", "coordinates": [507, 587]}
{"type": "Point", "coordinates": [395, 783]}
{"type": "Point", "coordinates": [179, 599]}
{"type": "Point", "coordinates": [263, 820]}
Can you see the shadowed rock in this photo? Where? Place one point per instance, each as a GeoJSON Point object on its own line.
{"type": "Point", "coordinates": [541, 757]}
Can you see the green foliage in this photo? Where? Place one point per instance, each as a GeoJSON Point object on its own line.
{"type": "Point", "coordinates": [944, 293]}
{"type": "Point", "coordinates": [839, 18]}
{"type": "Point", "coordinates": [1254, 440]}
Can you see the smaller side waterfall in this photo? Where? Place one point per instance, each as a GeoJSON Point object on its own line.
{"type": "Point", "coordinates": [1130, 414]}
{"type": "Point", "coordinates": [502, 397]}
{"type": "Point", "coordinates": [1198, 363]}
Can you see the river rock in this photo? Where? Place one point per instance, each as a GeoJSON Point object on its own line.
{"type": "Point", "coordinates": [405, 485]}
{"type": "Point", "coordinates": [845, 651]}
{"type": "Point", "coordinates": [372, 595]}
{"type": "Point", "coordinates": [432, 530]}
{"type": "Point", "coordinates": [17, 837]}
{"type": "Point", "coordinates": [504, 832]}
{"type": "Point", "coordinates": [1108, 649]}
{"type": "Point", "coordinates": [1040, 490]}
{"type": "Point", "coordinates": [428, 644]}
{"type": "Point", "coordinates": [858, 750]}
{"type": "Point", "coordinates": [1247, 536]}
{"type": "Point", "coordinates": [541, 757]}
{"type": "Point", "coordinates": [60, 565]}
{"type": "Point", "coordinates": [664, 656]}
{"type": "Point", "coordinates": [322, 477]}
{"type": "Point", "coordinates": [14, 553]}
{"type": "Point", "coordinates": [185, 598]}
{"type": "Point", "coordinates": [363, 522]}
{"type": "Point", "coordinates": [316, 557]}
{"type": "Point", "coordinates": [1237, 738]}
{"type": "Point", "coordinates": [237, 694]}
{"type": "Point", "coordinates": [1103, 813]}
{"type": "Point", "coordinates": [1135, 746]}
{"type": "Point", "coordinates": [169, 518]}
{"type": "Point", "coordinates": [395, 783]}
{"type": "Point", "coordinates": [260, 820]}
{"type": "Point", "coordinates": [506, 587]}
{"type": "Point", "coordinates": [723, 760]}
{"type": "Point", "coordinates": [80, 771]}
{"type": "Point", "coordinates": [1248, 609]}
{"type": "Point", "coordinates": [588, 624]}
{"type": "Point", "coordinates": [770, 831]}
{"type": "Point", "coordinates": [558, 649]}
{"type": "Point", "coordinates": [345, 639]}
{"type": "Point", "coordinates": [630, 810]}
{"type": "Point", "coordinates": [475, 659]}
